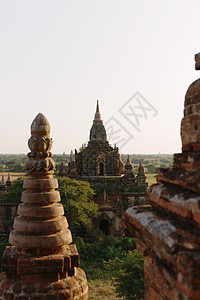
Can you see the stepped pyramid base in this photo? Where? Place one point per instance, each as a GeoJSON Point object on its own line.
{"type": "Point", "coordinates": [48, 277]}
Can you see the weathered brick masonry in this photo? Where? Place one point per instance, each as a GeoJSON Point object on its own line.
{"type": "Point", "coordinates": [168, 229]}
{"type": "Point", "coordinates": [42, 264]}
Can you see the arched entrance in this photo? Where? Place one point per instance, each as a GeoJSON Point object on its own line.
{"type": "Point", "coordinates": [101, 169]}
{"type": "Point", "coordinates": [104, 226]}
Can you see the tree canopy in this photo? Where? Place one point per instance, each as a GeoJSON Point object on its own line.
{"type": "Point", "coordinates": [15, 191]}
{"type": "Point", "coordinates": [76, 197]}
{"type": "Point", "coordinates": [77, 201]}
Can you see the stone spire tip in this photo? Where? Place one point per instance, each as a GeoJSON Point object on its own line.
{"type": "Point", "coordinates": [128, 161]}
{"type": "Point", "coordinates": [40, 126]}
{"type": "Point", "coordinates": [97, 117]}
{"type": "Point", "coordinates": [97, 109]}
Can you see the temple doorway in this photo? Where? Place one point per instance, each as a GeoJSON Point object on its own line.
{"type": "Point", "coordinates": [104, 226]}
{"type": "Point", "coordinates": [101, 169]}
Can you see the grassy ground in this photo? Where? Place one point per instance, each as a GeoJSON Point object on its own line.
{"type": "Point", "coordinates": [102, 290]}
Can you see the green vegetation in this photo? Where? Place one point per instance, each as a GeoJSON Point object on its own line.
{"type": "Point", "coordinates": [105, 259]}
{"type": "Point", "coordinates": [17, 162]}
{"type": "Point", "coordinates": [76, 197]}
{"type": "Point", "coordinates": [151, 162]}
{"type": "Point", "coordinates": [3, 245]}
{"type": "Point", "coordinates": [15, 191]}
{"type": "Point", "coordinates": [114, 268]}
{"type": "Point", "coordinates": [128, 275]}
{"type": "Point", "coordinates": [116, 261]}
{"type": "Point", "coordinates": [12, 162]}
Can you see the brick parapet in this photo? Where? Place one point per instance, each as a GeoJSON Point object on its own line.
{"type": "Point", "coordinates": [171, 253]}
{"type": "Point", "coordinates": [168, 229]}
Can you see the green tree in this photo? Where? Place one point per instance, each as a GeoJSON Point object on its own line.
{"type": "Point", "coordinates": [77, 201]}
{"type": "Point", "coordinates": [128, 275]}
{"type": "Point", "coordinates": [76, 197]}
{"type": "Point", "coordinates": [3, 245]}
{"type": "Point", "coordinates": [151, 168]}
{"type": "Point", "coordinates": [15, 191]}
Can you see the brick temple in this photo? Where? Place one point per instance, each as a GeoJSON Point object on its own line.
{"type": "Point", "coordinates": [42, 263]}
{"type": "Point", "coordinates": [115, 185]}
{"type": "Point", "coordinates": [168, 229]}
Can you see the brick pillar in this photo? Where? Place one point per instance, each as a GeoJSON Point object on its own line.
{"type": "Point", "coordinates": [168, 229]}
{"type": "Point", "coordinates": [41, 264]}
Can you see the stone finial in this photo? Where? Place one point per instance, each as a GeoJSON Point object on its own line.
{"type": "Point", "coordinates": [40, 144]}
{"type": "Point", "coordinates": [128, 165]}
{"type": "Point", "coordinates": [71, 156]}
{"type": "Point", "coordinates": [141, 168]}
{"type": "Point", "coordinates": [197, 59]}
{"type": "Point", "coordinates": [41, 254]}
{"type": "Point", "coordinates": [98, 132]}
{"type": "Point", "coordinates": [40, 126]}
{"type": "Point", "coordinates": [97, 118]}
{"type": "Point", "coordinates": [128, 161]}
{"type": "Point", "coordinates": [141, 178]}
{"type": "Point", "coordinates": [40, 222]}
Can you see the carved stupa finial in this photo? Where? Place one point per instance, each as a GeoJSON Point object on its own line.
{"type": "Point", "coordinates": [197, 59]}
{"type": "Point", "coordinates": [37, 232]}
{"type": "Point", "coordinates": [41, 250]}
{"type": "Point", "coordinates": [40, 126]}
{"type": "Point", "coordinates": [40, 145]}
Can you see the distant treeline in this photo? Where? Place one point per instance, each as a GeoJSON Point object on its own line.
{"type": "Point", "coordinates": [16, 162]}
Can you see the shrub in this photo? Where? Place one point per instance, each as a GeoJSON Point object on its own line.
{"type": "Point", "coordinates": [128, 275]}
{"type": "Point", "coordinates": [3, 245]}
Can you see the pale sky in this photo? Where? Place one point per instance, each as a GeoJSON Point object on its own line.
{"type": "Point", "coordinates": [58, 57]}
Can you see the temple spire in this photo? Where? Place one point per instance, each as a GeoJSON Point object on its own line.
{"type": "Point", "coordinates": [128, 166]}
{"type": "Point", "coordinates": [2, 184]}
{"type": "Point", "coordinates": [98, 132]}
{"type": "Point", "coordinates": [141, 168]}
{"type": "Point", "coordinates": [128, 160]}
{"type": "Point", "coordinates": [8, 182]}
{"type": "Point", "coordinates": [97, 110]}
{"type": "Point", "coordinates": [97, 118]}
{"type": "Point", "coordinates": [71, 156]}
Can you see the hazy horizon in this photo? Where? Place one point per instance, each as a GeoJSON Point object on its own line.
{"type": "Point", "coordinates": [59, 57]}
